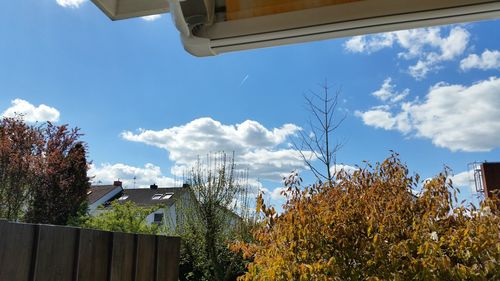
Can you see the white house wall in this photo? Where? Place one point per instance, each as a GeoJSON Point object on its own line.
{"type": "Point", "coordinates": [170, 215]}
{"type": "Point", "coordinates": [93, 208]}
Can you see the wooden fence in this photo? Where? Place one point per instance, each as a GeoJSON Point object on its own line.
{"type": "Point", "coordinates": [32, 252]}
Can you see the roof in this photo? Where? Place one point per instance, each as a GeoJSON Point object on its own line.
{"type": "Point", "coordinates": [96, 192]}
{"type": "Point", "coordinates": [144, 196]}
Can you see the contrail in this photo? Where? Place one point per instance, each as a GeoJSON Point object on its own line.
{"type": "Point", "coordinates": [244, 80]}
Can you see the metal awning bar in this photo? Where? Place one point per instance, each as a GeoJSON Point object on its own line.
{"type": "Point", "coordinates": [240, 9]}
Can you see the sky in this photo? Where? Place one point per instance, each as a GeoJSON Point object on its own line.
{"type": "Point", "coordinates": [148, 109]}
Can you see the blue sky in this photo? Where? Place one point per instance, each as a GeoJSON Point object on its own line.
{"type": "Point", "coordinates": [148, 108]}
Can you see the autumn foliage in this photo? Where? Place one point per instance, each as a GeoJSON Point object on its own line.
{"type": "Point", "coordinates": [369, 226]}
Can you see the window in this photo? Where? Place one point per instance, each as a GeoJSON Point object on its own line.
{"type": "Point", "coordinates": [123, 197]}
{"type": "Point", "coordinates": [157, 196]}
{"type": "Point", "coordinates": [158, 218]}
{"type": "Point", "coordinates": [89, 192]}
{"type": "Point", "coordinates": [166, 196]}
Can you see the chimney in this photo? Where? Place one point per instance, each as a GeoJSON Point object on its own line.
{"type": "Point", "coordinates": [117, 183]}
{"type": "Point", "coordinates": [491, 179]}
{"type": "Point", "coordinates": [153, 186]}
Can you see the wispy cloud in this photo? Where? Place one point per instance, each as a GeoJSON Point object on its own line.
{"type": "Point", "coordinates": [388, 93]}
{"type": "Point", "coordinates": [70, 3]}
{"type": "Point", "coordinates": [151, 17]}
{"type": "Point", "coordinates": [430, 47]}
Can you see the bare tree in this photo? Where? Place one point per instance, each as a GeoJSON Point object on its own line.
{"type": "Point", "coordinates": [317, 143]}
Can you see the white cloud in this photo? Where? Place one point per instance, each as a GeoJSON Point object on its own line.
{"type": "Point", "coordinates": [420, 70]}
{"type": "Point", "coordinates": [387, 92]}
{"type": "Point", "coordinates": [464, 180]}
{"type": "Point", "coordinates": [258, 149]}
{"type": "Point", "coordinates": [279, 193]}
{"type": "Point", "coordinates": [276, 194]}
{"type": "Point", "coordinates": [151, 17]}
{"type": "Point", "coordinates": [70, 3]}
{"type": "Point", "coordinates": [378, 118]}
{"type": "Point", "coordinates": [457, 117]}
{"type": "Point", "coordinates": [356, 44]}
{"type": "Point", "coordinates": [145, 176]}
{"type": "Point", "coordinates": [271, 164]}
{"type": "Point", "coordinates": [31, 113]}
{"type": "Point", "coordinates": [369, 44]}
{"type": "Point", "coordinates": [342, 167]}
{"type": "Point", "coordinates": [455, 44]}
{"type": "Point", "coordinates": [487, 60]}
{"type": "Point", "coordinates": [426, 45]}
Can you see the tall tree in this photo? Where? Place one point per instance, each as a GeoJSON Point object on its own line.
{"type": "Point", "coordinates": [317, 143]}
{"type": "Point", "coordinates": [20, 149]}
{"type": "Point", "coordinates": [371, 227]}
{"type": "Point", "coordinates": [61, 192]}
{"type": "Point", "coordinates": [211, 221]}
{"type": "Point", "coordinates": [43, 172]}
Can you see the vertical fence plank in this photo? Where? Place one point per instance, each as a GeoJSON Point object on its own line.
{"type": "Point", "coordinates": [34, 251]}
{"type": "Point", "coordinates": [145, 257]}
{"type": "Point", "coordinates": [168, 258]}
{"type": "Point", "coordinates": [123, 260]}
{"type": "Point", "coordinates": [94, 255]}
{"type": "Point", "coordinates": [76, 259]}
{"type": "Point", "coordinates": [16, 243]}
{"type": "Point", "coordinates": [110, 254]}
{"type": "Point", "coordinates": [55, 258]}
{"type": "Point", "coordinates": [156, 260]}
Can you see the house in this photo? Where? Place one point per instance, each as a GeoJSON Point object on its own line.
{"type": "Point", "coordinates": [171, 199]}
{"type": "Point", "coordinates": [168, 200]}
{"type": "Point", "coordinates": [98, 195]}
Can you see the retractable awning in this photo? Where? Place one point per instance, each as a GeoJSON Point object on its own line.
{"type": "Point", "coordinates": [210, 27]}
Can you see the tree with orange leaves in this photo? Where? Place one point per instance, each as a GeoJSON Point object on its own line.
{"type": "Point", "coordinates": [370, 226]}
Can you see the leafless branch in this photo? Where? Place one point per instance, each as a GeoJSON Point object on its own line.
{"type": "Point", "coordinates": [318, 144]}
